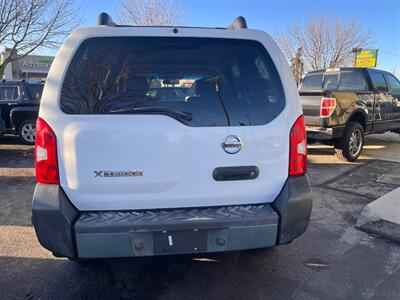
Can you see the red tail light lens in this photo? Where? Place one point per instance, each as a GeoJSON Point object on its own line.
{"type": "Point", "coordinates": [46, 153]}
{"type": "Point", "coordinates": [298, 148]}
{"type": "Point", "coordinates": [328, 105]}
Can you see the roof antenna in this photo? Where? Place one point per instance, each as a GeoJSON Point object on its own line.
{"type": "Point", "coordinates": [105, 19]}
{"type": "Point", "coordinates": [238, 23]}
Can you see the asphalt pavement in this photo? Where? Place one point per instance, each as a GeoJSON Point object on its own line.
{"type": "Point", "coordinates": [332, 260]}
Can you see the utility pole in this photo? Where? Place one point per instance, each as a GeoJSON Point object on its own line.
{"type": "Point", "coordinates": [355, 51]}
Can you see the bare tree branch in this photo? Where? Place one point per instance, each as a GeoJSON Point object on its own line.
{"type": "Point", "coordinates": [30, 25]}
{"type": "Point", "coordinates": [151, 13]}
{"type": "Point", "coordinates": [326, 42]}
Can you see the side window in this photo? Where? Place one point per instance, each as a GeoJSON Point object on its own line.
{"type": "Point", "coordinates": [378, 81]}
{"type": "Point", "coordinates": [351, 81]}
{"type": "Point", "coordinates": [394, 84]}
{"type": "Point", "coordinates": [9, 93]}
{"type": "Point", "coordinates": [35, 92]}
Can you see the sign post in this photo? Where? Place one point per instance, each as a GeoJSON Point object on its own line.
{"type": "Point", "coordinates": [365, 58]}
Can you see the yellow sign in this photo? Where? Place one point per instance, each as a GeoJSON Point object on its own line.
{"type": "Point", "coordinates": [366, 58]}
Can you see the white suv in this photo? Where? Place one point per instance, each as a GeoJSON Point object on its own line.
{"type": "Point", "coordinates": [168, 140]}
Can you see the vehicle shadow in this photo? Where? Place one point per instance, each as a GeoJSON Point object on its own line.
{"type": "Point", "coordinates": [131, 278]}
{"type": "Point", "coordinates": [9, 139]}
{"type": "Point", "coordinates": [14, 154]}
{"type": "Point", "coordinates": [377, 146]}
{"type": "Point", "coordinates": [17, 182]}
{"type": "Point", "coordinates": [325, 155]}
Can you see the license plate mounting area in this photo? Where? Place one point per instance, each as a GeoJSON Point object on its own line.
{"type": "Point", "coordinates": [180, 241]}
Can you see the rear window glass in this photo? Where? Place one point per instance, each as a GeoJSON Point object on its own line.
{"type": "Point", "coordinates": [343, 81]}
{"type": "Point", "coordinates": [312, 82]}
{"type": "Point", "coordinates": [35, 91]}
{"type": "Point", "coordinates": [198, 81]}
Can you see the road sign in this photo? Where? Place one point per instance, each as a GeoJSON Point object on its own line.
{"type": "Point", "coordinates": [366, 58]}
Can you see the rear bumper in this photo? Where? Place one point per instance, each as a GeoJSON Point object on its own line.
{"type": "Point", "coordinates": [65, 231]}
{"type": "Point", "coordinates": [319, 133]}
{"type": "Point", "coordinates": [323, 133]}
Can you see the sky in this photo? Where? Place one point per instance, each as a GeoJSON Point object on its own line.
{"type": "Point", "coordinates": [382, 17]}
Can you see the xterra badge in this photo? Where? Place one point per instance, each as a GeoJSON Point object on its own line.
{"type": "Point", "coordinates": [118, 173]}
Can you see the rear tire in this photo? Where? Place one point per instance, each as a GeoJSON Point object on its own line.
{"type": "Point", "coordinates": [350, 146]}
{"type": "Point", "coordinates": [27, 132]}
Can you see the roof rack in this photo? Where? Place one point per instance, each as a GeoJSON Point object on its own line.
{"type": "Point", "coordinates": [105, 19]}
{"type": "Point", "coordinates": [238, 23]}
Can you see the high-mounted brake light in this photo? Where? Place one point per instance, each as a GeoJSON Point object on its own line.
{"type": "Point", "coordinates": [328, 105]}
{"type": "Point", "coordinates": [298, 148]}
{"type": "Point", "coordinates": [46, 154]}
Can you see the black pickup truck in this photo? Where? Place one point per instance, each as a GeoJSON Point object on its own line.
{"type": "Point", "coordinates": [342, 105]}
{"type": "Point", "coordinates": [19, 107]}
{"type": "Point", "coordinates": [2, 125]}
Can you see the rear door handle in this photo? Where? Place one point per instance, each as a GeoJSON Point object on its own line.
{"type": "Point", "coordinates": [236, 173]}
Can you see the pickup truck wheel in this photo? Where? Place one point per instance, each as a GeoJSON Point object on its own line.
{"type": "Point", "coordinates": [351, 144]}
{"type": "Point", "coordinates": [27, 132]}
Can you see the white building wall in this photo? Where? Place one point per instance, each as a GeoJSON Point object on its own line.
{"type": "Point", "coordinates": [8, 75]}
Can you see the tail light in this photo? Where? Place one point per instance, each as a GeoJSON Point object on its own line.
{"type": "Point", "coordinates": [298, 148]}
{"type": "Point", "coordinates": [46, 153]}
{"type": "Point", "coordinates": [328, 105]}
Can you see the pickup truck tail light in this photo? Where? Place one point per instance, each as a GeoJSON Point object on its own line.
{"type": "Point", "coordinates": [328, 105]}
{"type": "Point", "coordinates": [46, 154]}
{"type": "Point", "coordinates": [298, 148]}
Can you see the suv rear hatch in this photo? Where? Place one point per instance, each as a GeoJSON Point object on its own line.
{"type": "Point", "coordinates": [145, 120]}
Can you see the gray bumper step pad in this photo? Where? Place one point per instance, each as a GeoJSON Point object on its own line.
{"type": "Point", "coordinates": [134, 233]}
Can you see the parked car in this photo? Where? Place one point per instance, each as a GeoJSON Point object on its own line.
{"type": "Point", "coordinates": [342, 105]}
{"type": "Point", "coordinates": [124, 174]}
{"type": "Point", "coordinates": [19, 106]}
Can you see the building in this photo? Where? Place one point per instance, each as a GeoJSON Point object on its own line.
{"type": "Point", "coordinates": [30, 67]}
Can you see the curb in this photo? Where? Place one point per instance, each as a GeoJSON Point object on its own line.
{"type": "Point", "coordinates": [382, 217]}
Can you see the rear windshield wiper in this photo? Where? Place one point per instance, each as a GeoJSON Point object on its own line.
{"type": "Point", "coordinates": [215, 81]}
{"type": "Point", "coordinates": [154, 109]}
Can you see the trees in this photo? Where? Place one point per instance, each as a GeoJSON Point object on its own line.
{"type": "Point", "coordinates": [326, 41]}
{"type": "Point", "coordinates": [151, 13]}
{"type": "Point", "coordinates": [297, 65]}
{"type": "Point", "coordinates": [30, 25]}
